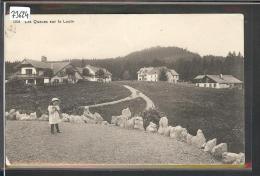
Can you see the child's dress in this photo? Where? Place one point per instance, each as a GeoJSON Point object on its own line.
{"type": "Point", "coordinates": [54, 117]}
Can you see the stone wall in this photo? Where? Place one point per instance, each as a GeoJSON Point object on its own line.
{"type": "Point", "coordinates": [127, 121]}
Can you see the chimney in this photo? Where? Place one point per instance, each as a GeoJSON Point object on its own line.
{"type": "Point", "coordinates": [44, 59]}
{"type": "Point", "coordinates": [221, 76]}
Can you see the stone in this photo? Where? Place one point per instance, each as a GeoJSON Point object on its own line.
{"type": "Point", "coordinates": [130, 123]}
{"type": "Point", "coordinates": [179, 133]}
{"type": "Point", "coordinates": [210, 144]}
{"type": "Point", "coordinates": [44, 117]}
{"type": "Point", "coordinates": [11, 115]}
{"type": "Point", "coordinates": [114, 120]}
{"type": "Point", "coordinates": [65, 117]}
{"type": "Point", "coordinates": [151, 128]}
{"type": "Point", "coordinates": [189, 138]}
{"type": "Point", "coordinates": [199, 139]}
{"type": "Point", "coordinates": [25, 117]}
{"type": "Point", "coordinates": [233, 158]}
{"type": "Point", "coordinates": [240, 159]}
{"type": "Point", "coordinates": [183, 135]}
{"type": "Point", "coordinates": [104, 123]}
{"type": "Point", "coordinates": [98, 117]}
{"type": "Point", "coordinates": [219, 149]}
{"type": "Point", "coordinates": [87, 113]}
{"type": "Point", "coordinates": [33, 116]}
{"type": "Point", "coordinates": [167, 131]}
{"type": "Point", "coordinates": [163, 124]}
{"type": "Point", "coordinates": [89, 121]}
{"type": "Point", "coordinates": [122, 120]}
{"type": "Point", "coordinates": [138, 123]}
{"type": "Point", "coordinates": [18, 115]}
{"type": "Point", "coordinates": [127, 113]}
{"type": "Point", "coordinates": [229, 158]}
{"type": "Point", "coordinates": [76, 119]}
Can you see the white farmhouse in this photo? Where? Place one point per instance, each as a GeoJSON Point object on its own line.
{"type": "Point", "coordinates": [43, 72]}
{"type": "Point", "coordinates": [98, 74]}
{"type": "Point", "coordinates": [217, 81]}
{"type": "Point", "coordinates": [153, 74]}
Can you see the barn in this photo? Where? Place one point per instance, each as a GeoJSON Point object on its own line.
{"type": "Point", "coordinates": [217, 81]}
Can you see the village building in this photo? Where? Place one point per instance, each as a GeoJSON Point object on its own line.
{"type": "Point", "coordinates": [153, 74]}
{"type": "Point", "coordinates": [44, 72]}
{"type": "Point", "coordinates": [97, 74]}
{"type": "Point", "coordinates": [217, 81]}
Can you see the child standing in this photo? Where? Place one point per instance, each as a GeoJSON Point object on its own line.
{"type": "Point", "coordinates": [54, 114]}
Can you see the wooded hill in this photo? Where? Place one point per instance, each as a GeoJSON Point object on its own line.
{"type": "Point", "coordinates": [188, 64]}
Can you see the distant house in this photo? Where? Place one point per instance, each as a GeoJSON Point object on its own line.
{"type": "Point", "coordinates": [42, 72]}
{"type": "Point", "coordinates": [217, 81]}
{"type": "Point", "coordinates": [153, 74]}
{"type": "Point", "coordinates": [97, 74]}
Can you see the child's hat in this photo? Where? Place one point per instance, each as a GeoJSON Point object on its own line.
{"type": "Point", "coordinates": [55, 99]}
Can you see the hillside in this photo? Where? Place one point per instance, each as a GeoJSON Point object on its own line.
{"type": "Point", "coordinates": [188, 64]}
{"type": "Point", "coordinates": [161, 54]}
{"type": "Point", "coordinates": [218, 113]}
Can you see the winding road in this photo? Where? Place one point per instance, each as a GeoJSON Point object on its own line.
{"type": "Point", "coordinates": [134, 94]}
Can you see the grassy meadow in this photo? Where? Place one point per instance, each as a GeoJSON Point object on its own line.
{"type": "Point", "coordinates": [219, 113]}
{"type": "Point", "coordinates": [71, 95]}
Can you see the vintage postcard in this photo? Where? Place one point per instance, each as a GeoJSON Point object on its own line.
{"type": "Point", "coordinates": [97, 90]}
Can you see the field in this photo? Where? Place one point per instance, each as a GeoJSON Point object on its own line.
{"type": "Point", "coordinates": [219, 113]}
{"type": "Point", "coordinates": [71, 95]}
{"type": "Point", "coordinates": [30, 142]}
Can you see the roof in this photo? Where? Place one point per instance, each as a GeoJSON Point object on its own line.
{"type": "Point", "coordinates": [173, 72]}
{"type": "Point", "coordinates": [56, 66]}
{"type": "Point", "coordinates": [95, 69]}
{"type": "Point", "coordinates": [34, 63]}
{"type": "Point", "coordinates": [219, 79]}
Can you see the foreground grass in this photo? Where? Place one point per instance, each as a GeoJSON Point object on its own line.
{"type": "Point", "coordinates": [219, 113]}
{"type": "Point", "coordinates": [136, 106]}
{"type": "Point", "coordinates": [30, 142]}
{"type": "Point", "coordinates": [71, 95]}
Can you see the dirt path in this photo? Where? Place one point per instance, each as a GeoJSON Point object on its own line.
{"type": "Point", "coordinates": [134, 94]}
{"type": "Point", "coordinates": [30, 142]}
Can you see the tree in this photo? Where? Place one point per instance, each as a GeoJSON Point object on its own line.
{"type": "Point", "coordinates": [126, 75]}
{"type": "Point", "coordinates": [100, 73]}
{"type": "Point", "coordinates": [70, 71]}
{"type": "Point", "coordinates": [86, 72]}
{"type": "Point", "coordinates": [163, 76]}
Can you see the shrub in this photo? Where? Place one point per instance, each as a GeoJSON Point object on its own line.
{"type": "Point", "coordinates": [16, 86]}
{"type": "Point", "coordinates": [151, 115]}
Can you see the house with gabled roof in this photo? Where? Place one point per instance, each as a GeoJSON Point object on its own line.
{"type": "Point", "coordinates": [217, 81]}
{"type": "Point", "coordinates": [43, 72]}
{"type": "Point", "coordinates": [98, 74]}
{"type": "Point", "coordinates": [153, 74]}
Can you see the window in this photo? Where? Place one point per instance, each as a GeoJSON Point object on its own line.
{"type": "Point", "coordinates": [28, 71]}
{"type": "Point", "coordinates": [30, 81]}
{"type": "Point", "coordinates": [56, 80]}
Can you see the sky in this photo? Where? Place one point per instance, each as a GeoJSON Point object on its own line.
{"type": "Point", "coordinates": [111, 35]}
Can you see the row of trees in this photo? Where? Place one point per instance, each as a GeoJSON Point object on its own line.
{"type": "Point", "coordinates": [188, 68]}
